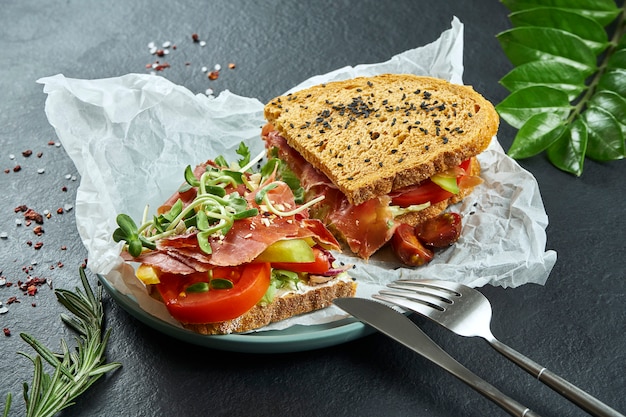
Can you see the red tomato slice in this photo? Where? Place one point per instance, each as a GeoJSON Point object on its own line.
{"type": "Point", "coordinates": [427, 191]}
{"type": "Point", "coordinates": [322, 263]}
{"type": "Point", "coordinates": [251, 281]}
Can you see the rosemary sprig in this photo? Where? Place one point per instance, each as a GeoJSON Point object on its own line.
{"type": "Point", "coordinates": [74, 370]}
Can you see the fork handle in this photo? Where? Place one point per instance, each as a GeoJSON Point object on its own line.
{"type": "Point", "coordinates": [568, 390]}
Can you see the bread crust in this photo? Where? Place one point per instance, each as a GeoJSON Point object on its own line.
{"type": "Point", "coordinates": [374, 135]}
{"type": "Point", "coordinates": [281, 308]}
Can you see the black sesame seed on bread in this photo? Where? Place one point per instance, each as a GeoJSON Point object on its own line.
{"type": "Point", "coordinates": [373, 135]}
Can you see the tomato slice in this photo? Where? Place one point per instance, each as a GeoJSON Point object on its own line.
{"type": "Point", "coordinates": [250, 282]}
{"type": "Point", "coordinates": [322, 263]}
{"type": "Point", "coordinates": [427, 191]}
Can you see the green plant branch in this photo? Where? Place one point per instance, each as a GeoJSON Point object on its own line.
{"type": "Point", "coordinates": [580, 106]}
{"type": "Point", "coordinates": [74, 371]}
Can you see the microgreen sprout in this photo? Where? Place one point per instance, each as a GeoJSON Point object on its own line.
{"type": "Point", "coordinates": [216, 206]}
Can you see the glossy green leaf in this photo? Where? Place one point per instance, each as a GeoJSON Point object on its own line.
{"type": "Point", "coordinates": [546, 73]}
{"type": "Point", "coordinates": [537, 134]}
{"type": "Point", "coordinates": [590, 31]}
{"type": "Point", "coordinates": [605, 140]}
{"type": "Point", "coordinates": [528, 43]}
{"type": "Point", "coordinates": [568, 152]}
{"type": "Point", "coordinates": [602, 11]}
{"type": "Point", "coordinates": [522, 104]}
{"type": "Point", "coordinates": [613, 103]}
{"type": "Point", "coordinates": [562, 45]}
{"type": "Point", "coordinates": [614, 80]}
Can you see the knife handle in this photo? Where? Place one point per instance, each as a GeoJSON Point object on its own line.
{"type": "Point", "coordinates": [505, 402]}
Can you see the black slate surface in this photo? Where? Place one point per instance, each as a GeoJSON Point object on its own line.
{"type": "Point", "coordinates": [574, 325]}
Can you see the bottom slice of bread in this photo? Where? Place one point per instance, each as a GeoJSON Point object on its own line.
{"type": "Point", "coordinates": [283, 307]}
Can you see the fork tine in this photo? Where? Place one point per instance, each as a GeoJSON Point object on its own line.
{"type": "Point", "coordinates": [434, 299]}
{"type": "Point", "coordinates": [425, 291]}
{"type": "Point", "coordinates": [453, 287]}
{"type": "Point", "coordinates": [417, 305]}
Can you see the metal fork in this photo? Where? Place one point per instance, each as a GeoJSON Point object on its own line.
{"type": "Point", "coordinates": [467, 312]}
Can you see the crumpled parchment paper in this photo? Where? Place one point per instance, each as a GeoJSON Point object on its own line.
{"type": "Point", "coordinates": [131, 137]}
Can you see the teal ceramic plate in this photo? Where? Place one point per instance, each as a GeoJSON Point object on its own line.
{"type": "Point", "coordinates": [293, 339]}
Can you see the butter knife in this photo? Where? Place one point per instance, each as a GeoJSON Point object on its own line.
{"type": "Point", "coordinates": [400, 328]}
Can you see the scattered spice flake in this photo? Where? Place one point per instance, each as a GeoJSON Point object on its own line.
{"type": "Point", "coordinates": [231, 66]}
{"type": "Point", "coordinates": [38, 230]}
{"type": "Point", "coordinates": [31, 214]}
{"type": "Point", "coordinates": [17, 168]}
{"type": "Point", "coordinates": [51, 143]}
{"type": "Point", "coordinates": [31, 290]}
{"type": "Point", "coordinates": [39, 154]}
{"type": "Point", "coordinates": [63, 247]}
{"type": "Point", "coordinates": [213, 75]}
{"type": "Point", "coordinates": [60, 210]}
{"type": "Point", "coordinates": [27, 153]}
{"type": "Point", "coordinates": [38, 245]}
{"type": "Point", "coordinates": [12, 300]}
{"type": "Point", "coordinates": [64, 189]}
{"type": "Point", "coordinates": [195, 37]}
{"type": "Point", "coordinates": [6, 331]}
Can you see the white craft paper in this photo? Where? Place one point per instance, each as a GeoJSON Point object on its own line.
{"type": "Point", "coordinates": [131, 137]}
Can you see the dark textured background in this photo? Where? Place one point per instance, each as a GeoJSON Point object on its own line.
{"type": "Point", "coordinates": [574, 325]}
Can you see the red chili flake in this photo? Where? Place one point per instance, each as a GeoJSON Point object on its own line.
{"type": "Point", "coordinates": [231, 66]}
{"type": "Point", "coordinates": [7, 170]}
{"type": "Point", "coordinates": [213, 75]}
{"type": "Point", "coordinates": [27, 153]}
{"type": "Point", "coordinates": [29, 242]}
{"type": "Point", "coordinates": [60, 264]}
{"type": "Point", "coordinates": [48, 215]}
{"type": "Point", "coordinates": [148, 66]}
{"type": "Point", "coordinates": [195, 37]}
{"type": "Point", "coordinates": [39, 154]}
{"type": "Point", "coordinates": [38, 245]}
{"type": "Point", "coordinates": [160, 67]}
{"type": "Point", "coordinates": [51, 143]}
{"type": "Point", "coordinates": [21, 208]}
{"type": "Point", "coordinates": [31, 214]}
{"type": "Point", "coordinates": [6, 331]}
{"type": "Point", "coordinates": [160, 52]}
{"type": "Point", "coordinates": [31, 290]}
{"type": "Point", "coordinates": [28, 222]}
{"type": "Point", "coordinates": [63, 247]}
{"type": "Point", "coordinates": [38, 230]}
{"type": "Point", "coordinates": [34, 304]}
{"type": "Point", "coordinates": [12, 300]}
{"type": "Point", "coordinates": [64, 189]}
{"type": "Point", "coordinates": [17, 168]}
{"type": "Point", "coordinates": [60, 210]}
{"type": "Point", "coordinates": [174, 47]}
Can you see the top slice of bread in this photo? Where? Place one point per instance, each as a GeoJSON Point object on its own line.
{"type": "Point", "coordinates": [373, 135]}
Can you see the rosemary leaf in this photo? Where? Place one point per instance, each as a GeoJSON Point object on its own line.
{"type": "Point", "coordinates": [75, 370]}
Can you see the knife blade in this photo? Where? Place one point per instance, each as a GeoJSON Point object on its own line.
{"type": "Point", "coordinates": [400, 328]}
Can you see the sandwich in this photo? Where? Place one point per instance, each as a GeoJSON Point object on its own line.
{"type": "Point", "coordinates": [388, 153]}
{"type": "Point", "coordinates": [234, 250]}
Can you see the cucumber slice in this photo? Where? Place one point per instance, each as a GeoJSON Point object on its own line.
{"type": "Point", "coordinates": [291, 250]}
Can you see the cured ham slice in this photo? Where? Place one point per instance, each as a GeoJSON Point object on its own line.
{"type": "Point", "coordinates": [365, 227]}
{"type": "Point", "coordinates": [244, 242]}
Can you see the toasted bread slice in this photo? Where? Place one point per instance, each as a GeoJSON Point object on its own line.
{"type": "Point", "coordinates": [373, 135]}
{"type": "Point", "coordinates": [285, 305]}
